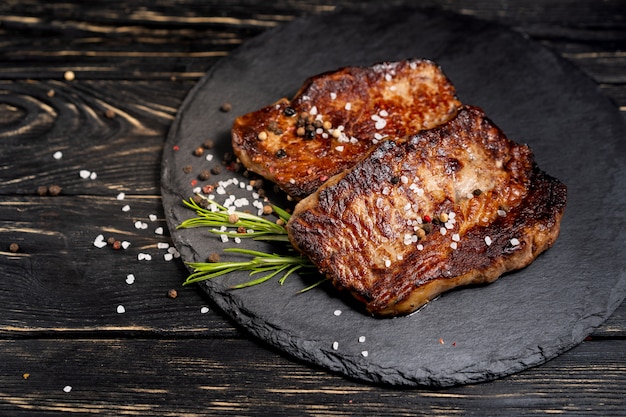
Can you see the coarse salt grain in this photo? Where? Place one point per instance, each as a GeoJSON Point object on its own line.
{"type": "Point", "coordinates": [158, 230]}
{"type": "Point", "coordinates": [126, 208]}
{"type": "Point", "coordinates": [153, 217]}
{"type": "Point", "coordinates": [204, 310]}
{"type": "Point", "coordinates": [361, 339]}
{"type": "Point", "coordinates": [365, 353]}
{"type": "Point", "coordinates": [387, 263]}
{"type": "Point", "coordinates": [456, 237]}
{"type": "Point", "coordinates": [99, 242]}
{"type": "Point", "coordinates": [348, 106]}
{"type": "Point", "coordinates": [168, 257]}
{"type": "Point", "coordinates": [84, 174]}
{"type": "Point", "coordinates": [501, 213]}
{"type": "Point", "coordinates": [121, 196]}
{"type": "Point", "coordinates": [93, 176]}
{"type": "Point", "coordinates": [420, 247]}
{"type": "Point", "coordinates": [209, 157]}
{"type": "Point", "coordinates": [163, 245]}
{"type": "Point", "coordinates": [453, 245]}
{"type": "Point", "coordinates": [125, 244]}
{"type": "Point", "coordinates": [121, 309]}
{"type": "Point", "coordinates": [339, 148]}
{"type": "Point", "coordinates": [57, 155]}
{"type": "Point", "coordinates": [515, 242]}
{"type": "Point", "coordinates": [335, 345]}
{"type": "Point", "coordinates": [67, 388]}
{"type": "Point", "coordinates": [337, 312]}
{"type": "Point", "coordinates": [488, 240]}
{"type": "Point", "coordinates": [130, 279]}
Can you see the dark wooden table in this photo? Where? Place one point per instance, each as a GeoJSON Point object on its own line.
{"type": "Point", "coordinates": [89, 89]}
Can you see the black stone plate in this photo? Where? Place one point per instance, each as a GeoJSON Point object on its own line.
{"type": "Point", "coordinates": [469, 335]}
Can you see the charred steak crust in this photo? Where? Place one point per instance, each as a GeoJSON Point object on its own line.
{"type": "Point", "coordinates": [337, 117]}
{"type": "Point", "coordinates": [459, 204]}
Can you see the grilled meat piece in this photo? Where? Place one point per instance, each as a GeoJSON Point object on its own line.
{"type": "Point", "coordinates": [337, 117]}
{"type": "Point", "coordinates": [459, 204]}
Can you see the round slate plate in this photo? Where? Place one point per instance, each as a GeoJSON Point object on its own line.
{"type": "Point", "coordinates": [469, 335]}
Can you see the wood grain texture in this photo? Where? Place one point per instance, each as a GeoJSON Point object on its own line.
{"type": "Point", "coordinates": [134, 63]}
{"type": "Point", "coordinates": [217, 379]}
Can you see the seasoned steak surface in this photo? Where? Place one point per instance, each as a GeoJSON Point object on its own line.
{"type": "Point", "coordinates": [459, 204]}
{"type": "Point", "coordinates": [337, 117]}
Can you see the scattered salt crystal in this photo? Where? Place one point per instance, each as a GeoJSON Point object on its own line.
{"type": "Point", "coordinates": [501, 213]}
{"type": "Point", "coordinates": [365, 353]}
{"type": "Point", "coordinates": [67, 388]}
{"type": "Point", "coordinates": [121, 309]}
{"type": "Point", "coordinates": [144, 256]}
{"type": "Point", "coordinates": [158, 230]}
{"type": "Point", "coordinates": [383, 113]}
{"type": "Point", "coordinates": [361, 339]}
{"type": "Point", "coordinates": [456, 237]}
{"type": "Point", "coordinates": [337, 313]}
{"type": "Point", "coordinates": [204, 310]}
{"type": "Point", "coordinates": [121, 196]}
{"type": "Point", "coordinates": [130, 279]}
{"type": "Point", "coordinates": [196, 190]}
{"type": "Point", "coordinates": [163, 245]}
{"type": "Point", "coordinates": [514, 242]}
{"type": "Point", "coordinates": [380, 124]}
{"type": "Point", "coordinates": [168, 257]}
{"type": "Point", "coordinates": [387, 263]}
{"type": "Point", "coordinates": [453, 245]}
{"type": "Point", "coordinates": [99, 242]}
{"type": "Point", "coordinates": [443, 231]}
{"type": "Point", "coordinates": [333, 96]}
{"type": "Point", "coordinates": [125, 244]}
{"type": "Point", "coordinates": [57, 155]}
{"type": "Point", "coordinates": [420, 247]}
{"type": "Point", "coordinates": [335, 345]}
{"type": "Point", "coordinates": [237, 240]}
{"type": "Point", "coordinates": [488, 240]}
{"type": "Point", "coordinates": [224, 238]}
{"type": "Point", "coordinates": [348, 106]}
{"type": "Point", "coordinates": [126, 208]}
{"type": "Point", "coordinates": [339, 148]}
{"type": "Point", "coordinates": [93, 176]}
{"type": "Point", "coordinates": [209, 157]}
{"type": "Point", "coordinates": [84, 174]}
{"type": "Point", "coordinates": [152, 217]}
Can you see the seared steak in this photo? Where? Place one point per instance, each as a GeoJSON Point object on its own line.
{"type": "Point", "coordinates": [455, 205]}
{"type": "Point", "coordinates": [337, 117]}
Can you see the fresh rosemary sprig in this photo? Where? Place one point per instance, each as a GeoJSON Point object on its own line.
{"type": "Point", "coordinates": [217, 217]}
{"type": "Point", "coordinates": [261, 262]}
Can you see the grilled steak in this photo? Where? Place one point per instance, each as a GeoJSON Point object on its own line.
{"type": "Point", "coordinates": [455, 205]}
{"type": "Point", "coordinates": [337, 117]}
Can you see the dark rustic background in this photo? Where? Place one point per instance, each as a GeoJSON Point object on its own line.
{"type": "Point", "coordinates": [65, 348]}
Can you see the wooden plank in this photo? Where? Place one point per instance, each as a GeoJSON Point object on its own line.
{"type": "Point", "coordinates": [60, 282]}
{"type": "Point", "coordinates": [156, 40]}
{"type": "Point", "coordinates": [115, 129]}
{"type": "Point", "coordinates": [220, 377]}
